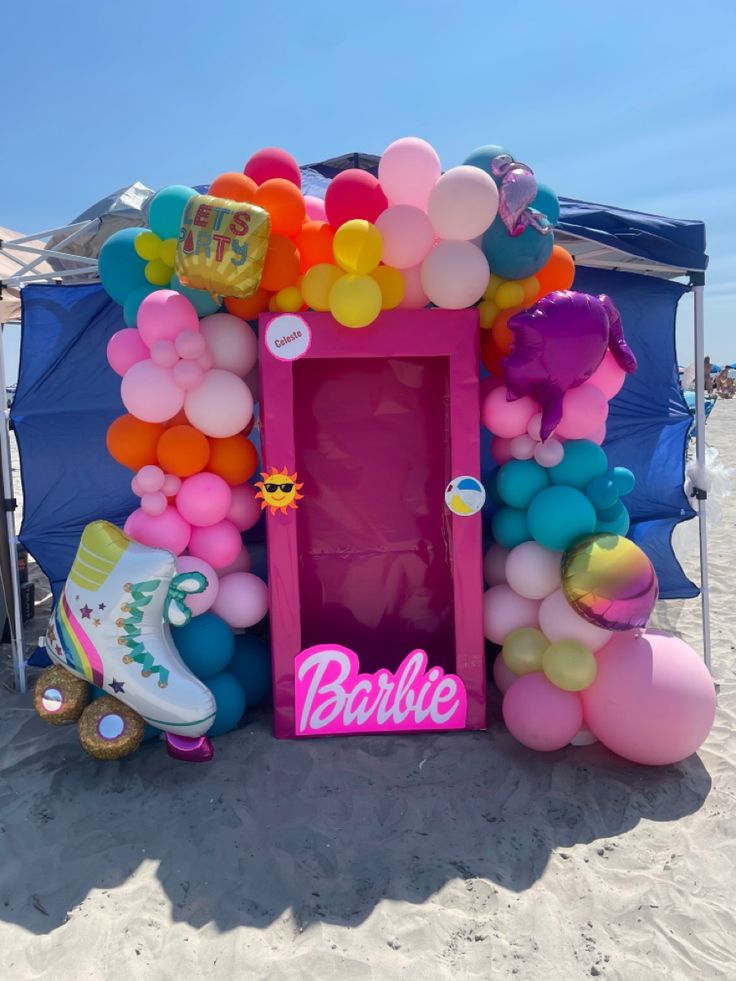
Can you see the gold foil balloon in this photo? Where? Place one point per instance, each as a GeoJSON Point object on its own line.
{"type": "Point", "coordinates": [569, 665]}
{"type": "Point", "coordinates": [222, 246]}
{"type": "Point", "coordinates": [523, 650]}
{"type": "Point", "coordinates": [110, 730]}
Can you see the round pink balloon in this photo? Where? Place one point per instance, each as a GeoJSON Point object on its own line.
{"type": "Point", "coordinates": [584, 410]}
{"type": "Point", "coordinates": [539, 715]}
{"type": "Point", "coordinates": [241, 563]}
{"type": "Point", "coordinates": [245, 508]}
{"type": "Point", "coordinates": [171, 485]}
{"type": "Point", "coordinates": [414, 296]}
{"type": "Point", "coordinates": [150, 478]}
{"type": "Point", "coordinates": [150, 393]}
{"type": "Point", "coordinates": [558, 621]}
{"type": "Point", "coordinates": [204, 499]}
{"type": "Point", "coordinates": [168, 530]}
{"type": "Point", "coordinates": [407, 235]}
{"type": "Point", "coordinates": [501, 450]}
{"type": "Point", "coordinates": [164, 314]}
{"type": "Point", "coordinates": [463, 203]}
{"type": "Point", "coordinates": [408, 170]}
{"type": "Point", "coordinates": [503, 675]}
{"type": "Point", "coordinates": [598, 437]}
{"type": "Point", "coordinates": [315, 208]}
{"type": "Point", "coordinates": [652, 701]}
{"type": "Point", "coordinates": [126, 348]}
{"type": "Point", "coordinates": [504, 611]}
{"type": "Point", "coordinates": [231, 342]}
{"type": "Point", "coordinates": [217, 544]}
{"type": "Point", "coordinates": [549, 453]}
{"type": "Point", "coordinates": [199, 602]}
{"type": "Point", "coordinates": [190, 344]}
{"type": "Point", "coordinates": [205, 361]}
{"type": "Point", "coordinates": [188, 375]}
{"type": "Point", "coordinates": [533, 571]}
{"type": "Point", "coordinates": [221, 406]}
{"type": "Point", "coordinates": [163, 353]}
{"type": "Point", "coordinates": [270, 162]}
{"type": "Point", "coordinates": [153, 502]}
{"type": "Point", "coordinates": [504, 418]}
{"type": "Point", "coordinates": [494, 565]}
{"type": "Point", "coordinates": [608, 376]}
{"type": "Point", "coordinates": [522, 447]}
{"type": "Point", "coordinates": [242, 600]}
{"type": "Point", "coordinates": [455, 274]}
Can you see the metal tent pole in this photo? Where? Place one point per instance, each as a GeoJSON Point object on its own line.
{"type": "Point", "coordinates": [698, 283]}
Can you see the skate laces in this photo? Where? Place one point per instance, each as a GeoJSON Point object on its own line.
{"type": "Point", "coordinates": [176, 611]}
{"type": "Point", "coordinates": [140, 596]}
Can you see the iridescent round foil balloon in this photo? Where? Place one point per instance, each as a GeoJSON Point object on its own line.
{"type": "Point", "coordinates": [610, 582]}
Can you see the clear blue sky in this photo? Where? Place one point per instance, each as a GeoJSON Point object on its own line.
{"type": "Point", "coordinates": [630, 103]}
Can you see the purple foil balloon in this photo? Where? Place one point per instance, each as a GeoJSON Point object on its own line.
{"type": "Point", "coordinates": [517, 188]}
{"type": "Point", "coordinates": [190, 750]}
{"type": "Point", "coordinates": [558, 344]}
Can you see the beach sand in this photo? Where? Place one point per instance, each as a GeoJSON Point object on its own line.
{"type": "Point", "coordinates": [436, 857]}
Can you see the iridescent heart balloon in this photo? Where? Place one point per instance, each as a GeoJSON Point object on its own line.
{"type": "Point", "coordinates": [517, 188]}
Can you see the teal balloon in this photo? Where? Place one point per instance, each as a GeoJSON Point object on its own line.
{"type": "Point", "coordinates": [602, 493]}
{"type": "Point", "coordinates": [516, 258]}
{"type": "Point", "coordinates": [509, 527]}
{"type": "Point", "coordinates": [583, 461]}
{"type": "Point", "coordinates": [206, 644]}
{"type": "Point", "coordinates": [614, 520]}
{"type": "Point", "coordinates": [548, 203]}
{"type": "Point", "coordinates": [120, 268]}
{"type": "Point", "coordinates": [251, 665]}
{"type": "Point", "coordinates": [201, 300]}
{"type": "Point", "coordinates": [519, 482]}
{"type": "Point", "coordinates": [150, 732]}
{"type": "Point", "coordinates": [481, 157]}
{"type": "Point", "coordinates": [166, 209]}
{"type": "Point", "coordinates": [624, 480]}
{"type": "Point", "coordinates": [133, 301]}
{"type": "Point", "coordinates": [559, 515]}
{"type": "Point", "coordinates": [492, 490]}
{"type": "Point", "coordinates": [230, 699]}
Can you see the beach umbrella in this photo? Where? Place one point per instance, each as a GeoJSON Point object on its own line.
{"type": "Point", "coordinates": [714, 369]}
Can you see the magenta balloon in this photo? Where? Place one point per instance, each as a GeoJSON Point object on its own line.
{"type": "Point", "coordinates": [124, 349]}
{"type": "Point", "coordinates": [652, 701]}
{"type": "Point", "coordinates": [150, 393]}
{"type": "Point", "coordinates": [168, 530]}
{"type": "Point", "coordinates": [540, 715]}
{"type": "Point", "coordinates": [270, 162]}
{"type": "Point", "coordinates": [245, 509]}
{"type": "Point", "coordinates": [242, 600]}
{"type": "Point", "coordinates": [204, 499]}
{"type": "Point", "coordinates": [199, 602]}
{"type": "Point", "coordinates": [164, 314]}
{"type": "Point", "coordinates": [408, 170]}
{"type": "Point", "coordinates": [218, 544]}
{"type": "Point", "coordinates": [315, 208]}
{"type": "Point", "coordinates": [584, 411]}
{"type": "Point", "coordinates": [407, 235]}
{"type": "Point", "coordinates": [558, 344]}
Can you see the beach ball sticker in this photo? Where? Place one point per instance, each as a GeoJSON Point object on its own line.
{"type": "Point", "coordinates": [465, 496]}
{"type": "Point", "coordinates": [288, 337]}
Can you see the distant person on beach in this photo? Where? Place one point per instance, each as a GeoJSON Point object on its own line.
{"type": "Point", "coordinates": [724, 384]}
{"type": "Point", "coordinates": [708, 377]}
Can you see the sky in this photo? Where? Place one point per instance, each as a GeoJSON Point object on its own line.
{"type": "Point", "coordinates": [624, 103]}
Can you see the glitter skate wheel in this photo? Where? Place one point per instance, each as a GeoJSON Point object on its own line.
{"type": "Point", "coordinates": [60, 697]}
{"type": "Point", "coordinates": [109, 730]}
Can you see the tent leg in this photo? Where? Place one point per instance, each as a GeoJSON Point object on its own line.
{"type": "Point", "coordinates": [16, 632]}
{"type": "Point", "coordinates": [698, 324]}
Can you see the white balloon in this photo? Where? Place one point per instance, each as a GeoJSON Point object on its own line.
{"type": "Point", "coordinates": [231, 342]}
{"type": "Point", "coordinates": [463, 203]}
{"type": "Point", "coordinates": [558, 621]}
{"type": "Point", "coordinates": [533, 571]}
{"type": "Point", "coordinates": [494, 565]}
{"type": "Point", "coordinates": [221, 406]}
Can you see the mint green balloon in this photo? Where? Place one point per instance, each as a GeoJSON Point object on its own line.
{"type": "Point", "coordinates": [519, 482]}
{"type": "Point", "coordinates": [583, 461]}
{"type": "Point", "coordinates": [509, 527]}
{"type": "Point", "coordinates": [559, 515]}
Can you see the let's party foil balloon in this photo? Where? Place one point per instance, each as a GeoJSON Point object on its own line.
{"type": "Point", "coordinates": [222, 246]}
{"type": "Point", "coordinates": [610, 582]}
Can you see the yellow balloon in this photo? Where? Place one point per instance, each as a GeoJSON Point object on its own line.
{"type": "Point", "coordinates": [355, 301]}
{"type": "Point", "coordinates": [272, 305]}
{"type": "Point", "coordinates": [493, 283]}
{"type": "Point", "coordinates": [508, 295]}
{"type": "Point", "coordinates": [317, 283]}
{"type": "Point", "coordinates": [158, 273]}
{"type": "Point", "coordinates": [391, 283]}
{"type": "Point", "coordinates": [357, 246]}
{"type": "Point", "coordinates": [531, 288]}
{"type": "Point", "coordinates": [288, 300]}
{"type": "Point", "coordinates": [488, 313]}
{"type": "Point", "coordinates": [569, 665]}
{"type": "Point", "coordinates": [148, 246]}
{"type": "Point", "coordinates": [524, 649]}
{"type": "Point", "coordinates": [167, 253]}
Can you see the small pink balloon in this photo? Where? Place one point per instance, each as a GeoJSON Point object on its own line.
{"type": "Point", "coordinates": [535, 427]}
{"type": "Point", "coordinates": [242, 563]}
{"type": "Point", "coordinates": [188, 375]}
{"type": "Point", "coordinates": [154, 502]}
{"type": "Point", "coordinates": [504, 418]}
{"type": "Point", "coordinates": [408, 170]}
{"type": "Point", "coordinates": [217, 544]}
{"type": "Point", "coordinates": [124, 349]}
{"type": "Point", "coordinates": [242, 600]}
{"type": "Point", "coordinates": [150, 393]}
{"type": "Point", "coordinates": [204, 499]}
{"type": "Point", "coordinates": [168, 530]}
{"type": "Point", "coordinates": [558, 621]}
{"type": "Point", "coordinates": [504, 611]}
{"type": "Point", "coordinates": [503, 675]}
{"type": "Point", "coordinates": [164, 314]}
{"type": "Point", "coordinates": [315, 208]}
{"type": "Point", "coordinates": [494, 565]}
{"type": "Point", "coordinates": [150, 478]}
{"type": "Point", "coordinates": [407, 235]}
{"type": "Point", "coordinates": [199, 602]}
{"type": "Point", "coordinates": [163, 353]}
{"type": "Point", "coordinates": [549, 454]}
{"type": "Point", "coordinates": [205, 361]}
{"type": "Point", "coordinates": [414, 296]}
{"type": "Point", "coordinates": [539, 715]}
{"type": "Point", "coordinates": [245, 508]}
{"type": "Point", "coordinates": [190, 344]}
{"type": "Point", "coordinates": [584, 411]}
{"type": "Point", "coordinates": [171, 484]}
{"type": "Point", "coordinates": [501, 450]}
{"type": "Point", "coordinates": [136, 487]}
{"type": "Point", "coordinates": [221, 406]}
{"type": "Point", "coordinates": [522, 447]}
{"type": "Point", "coordinates": [608, 376]}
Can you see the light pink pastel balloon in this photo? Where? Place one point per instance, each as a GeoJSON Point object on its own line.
{"type": "Point", "coordinates": [558, 621]}
{"type": "Point", "coordinates": [164, 314]}
{"type": "Point", "coordinates": [199, 602]}
{"type": "Point", "coordinates": [153, 502]}
{"type": "Point", "coordinates": [463, 203]}
{"type": "Point", "coordinates": [231, 342]}
{"type": "Point", "coordinates": [168, 530]}
{"type": "Point", "coordinates": [501, 450]}
{"type": "Point", "coordinates": [242, 600]}
{"type": "Point", "coordinates": [494, 565]}
{"type": "Point", "coordinates": [522, 447]}
{"type": "Point", "coordinates": [315, 208]}
{"type": "Point", "coordinates": [549, 453]}
{"type": "Point", "coordinates": [503, 675]}
{"type": "Point", "coordinates": [188, 375]}
{"type": "Point", "coordinates": [217, 544]}
{"type": "Point", "coordinates": [171, 484]}
{"type": "Point", "coordinates": [221, 406]}
{"type": "Point", "coordinates": [407, 235]}
{"type": "Point", "coordinates": [163, 353]}
{"type": "Point", "coordinates": [205, 361]}
{"type": "Point", "coordinates": [124, 349]}
{"type": "Point", "coordinates": [245, 509]}
{"type": "Point", "coordinates": [584, 411]}
{"type": "Point", "coordinates": [539, 715]}
{"type": "Point", "coordinates": [150, 393]}
{"type": "Point", "coordinates": [533, 571]}
{"type": "Point", "coordinates": [150, 478]}
{"type": "Point", "coordinates": [504, 418]}
{"type": "Point", "coordinates": [190, 344]}
{"type": "Point", "coordinates": [204, 499]}
{"type": "Point", "coordinates": [608, 376]}
{"type": "Point", "coordinates": [242, 563]}
{"type": "Point", "coordinates": [504, 611]}
{"type": "Point", "coordinates": [455, 274]}
{"type": "Point", "coordinates": [535, 427]}
{"type": "Point", "coordinates": [414, 296]}
{"type": "Point", "coordinates": [408, 170]}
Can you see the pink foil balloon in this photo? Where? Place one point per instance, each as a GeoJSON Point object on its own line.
{"type": "Point", "coordinates": [414, 296]}
{"type": "Point", "coordinates": [608, 376]}
{"type": "Point", "coordinates": [584, 411]}
{"type": "Point", "coordinates": [504, 418]}
{"type": "Point", "coordinates": [164, 314]}
{"type": "Point", "coordinates": [504, 611]}
{"type": "Point", "coordinates": [539, 715]}
{"type": "Point", "coordinates": [245, 509]}
{"type": "Point", "coordinates": [407, 235]}
{"type": "Point", "coordinates": [150, 393]}
{"type": "Point", "coordinates": [204, 499]}
{"type": "Point", "coordinates": [124, 349]}
{"type": "Point", "coordinates": [408, 170]}
{"type": "Point", "coordinates": [168, 530]}
{"type": "Point", "coordinates": [217, 544]}
{"type": "Point", "coordinates": [199, 602]}
{"type": "Point", "coordinates": [221, 406]}
{"type": "Point", "coordinates": [242, 600]}
{"type": "Point", "coordinates": [163, 353]}
{"type": "Point", "coordinates": [502, 675]}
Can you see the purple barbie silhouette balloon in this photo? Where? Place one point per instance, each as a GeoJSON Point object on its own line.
{"type": "Point", "coordinates": [517, 188]}
{"type": "Point", "coordinates": [558, 344]}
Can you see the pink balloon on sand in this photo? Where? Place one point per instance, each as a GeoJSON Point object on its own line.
{"type": "Point", "coordinates": [150, 393]}
{"type": "Point", "coordinates": [504, 611]}
{"type": "Point", "coordinates": [608, 376]}
{"type": "Point", "coordinates": [502, 675]}
{"type": "Point", "coordinates": [217, 544]}
{"type": "Point", "coordinates": [124, 349]}
{"type": "Point", "coordinates": [164, 314]}
{"type": "Point", "coordinates": [242, 600]}
{"type": "Point", "coordinates": [504, 418]}
{"type": "Point", "coordinates": [199, 602]}
{"type": "Point", "coordinates": [245, 509]}
{"type": "Point", "coordinates": [540, 715]}
{"type": "Point", "coordinates": [168, 530]}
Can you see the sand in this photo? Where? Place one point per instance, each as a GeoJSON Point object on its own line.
{"type": "Point", "coordinates": [434, 857]}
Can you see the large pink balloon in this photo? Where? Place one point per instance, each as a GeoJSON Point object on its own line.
{"type": "Point", "coordinates": [455, 274]}
{"type": "Point", "coordinates": [168, 530]}
{"type": "Point", "coordinates": [150, 392]}
{"type": "Point", "coordinates": [533, 571]}
{"type": "Point", "coordinates": [245, 509]}
{"type": "Point", "coordinates": [584, 411]}
{"type": "Point", "coordinates": [218, 544]}
{"type": "Point", "coordinates": [270, 162]}
{"type": "Point", "coordinates": [463, 203]}
{"type": "Point", "coordinates": [164, 314]}
{"type": "Point", "coordinates": [540, 715]}
{"type": "Point", "coordinates": [199, 602]}
{"type": "Point", "coordinates": [124, 349]}
{"type": "Point", "coordinates": [414, 296]}
{"type": "Point", "coordinates": [558, 621]}
{"type": "Point", "coordinates": [204, 499]}
{"type": "Point", "coordinates": [503, 675]}
{"type": "Point", "coordinates": [242, 600]}
{"type": "Point", "coordinates": [608, 376]}
{"type": "Point", "coordinates": [652, 701]}
{"type": "Point", "coordinates": [221, 406]}
{"type": "Point", "coordinates": [504, 611]}
{"type": "Point", "coordinates": [507, 419]}
{"type": "Point", "coordinates": [408, 170]}
{"type": "Point", "coordinates": [407, 235]}
{"type": "Point", "coordinates": [231, 342]}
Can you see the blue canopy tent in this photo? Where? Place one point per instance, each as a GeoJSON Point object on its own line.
{"type": "Point", "coordinates": [67, 395]}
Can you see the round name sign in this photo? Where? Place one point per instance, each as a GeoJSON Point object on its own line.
{"type": "Point", "coordinates": [288, 337]}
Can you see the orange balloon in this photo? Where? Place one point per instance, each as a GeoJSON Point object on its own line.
{"type": "Point", "coordinates": [234, 458]}
{"type": "Point", "coordinates": [250, 307]}
{"type": "Point", "coordinates": [281, 267]}
{"type": "Point", "coordinates": [132, 442]}
{"type": "Point", "coordinates": [314, 242]}
{"type": "Point", "coordinates": [183, 450]}
{"type": "Point", "coordinates": [558, 273]}
{"type": "Point", "coordinates": [503, 336]}
{"type": "Point", "coordinates": [234, 187]}
{"type": "Point", "coordinates": [490, 355]}
{"type": "Point", "coordinates": [285, 204]}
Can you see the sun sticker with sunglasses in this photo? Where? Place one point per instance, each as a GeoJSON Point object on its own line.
{"type": "Point", "coordinates": [279, 490]}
